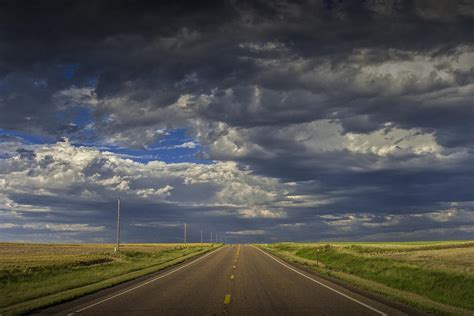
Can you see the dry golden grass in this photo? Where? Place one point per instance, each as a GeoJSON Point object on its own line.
{"type": "Point", "coordinates": [28, 255]}
{"type": "Point", "coordinates": [455, 259]}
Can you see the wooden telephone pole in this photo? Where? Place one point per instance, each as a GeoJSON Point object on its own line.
{"type": "Point", "coordinates": [118, 226]}
{"type": "Point", "coordinates": [184, 234]}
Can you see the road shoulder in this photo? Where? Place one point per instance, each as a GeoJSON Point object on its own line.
{"type": "Point", "coordinates": [300, 265]}
{"type": "Point", "coordinates": [60, 301]}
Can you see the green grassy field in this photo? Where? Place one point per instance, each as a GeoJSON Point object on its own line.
{"type": "Point", "coordinates": [434, 276]}
{"type": "Point", "coordinates": [37, 275]}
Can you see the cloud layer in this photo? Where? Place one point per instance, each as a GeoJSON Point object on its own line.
{"type": "Point", "coordinates": [320, 119]}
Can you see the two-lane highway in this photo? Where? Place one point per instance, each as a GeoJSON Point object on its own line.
{"type": "Point", "coordinates": [235, 280]}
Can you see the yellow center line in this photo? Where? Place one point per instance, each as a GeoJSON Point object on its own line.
{"type": "Point", "coordinates": [227, 299]}
{"type": "Point", "coordinates": [232, 277]}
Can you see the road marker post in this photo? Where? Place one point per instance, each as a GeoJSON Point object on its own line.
{"type": "Point", "coordinates": [227, 299]}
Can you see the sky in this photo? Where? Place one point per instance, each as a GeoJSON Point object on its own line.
{"type": "Point", "coordinates": [261, 121]}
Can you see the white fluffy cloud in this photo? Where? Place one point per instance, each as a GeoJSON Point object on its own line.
{"type": "Point", "coordinates": [247, 232]}
{"type": "Point", "coordinates": [56, 227]}
{"type": "Point", "coordinates": [384, 148]}
{"type": "Point", "coordinates": [63, 170]}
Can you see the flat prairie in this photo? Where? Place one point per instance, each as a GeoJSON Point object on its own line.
{"type": "Point", "coordinates": [430, 275]}
{"type": "Point", "coordinates": [36, 275]}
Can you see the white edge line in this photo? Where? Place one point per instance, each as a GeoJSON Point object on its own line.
{"type": "Point", "coordinates": [147, 282]}
{"type": "Point", "coordinates": [324, 285]}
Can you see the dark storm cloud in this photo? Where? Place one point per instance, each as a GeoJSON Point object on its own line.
{"type": "Point", "coordinates": [62, 187]}
{"type": "Point", "coordinates": [359, 106]}
{"type": "Point", "coordinates": [146, 51]}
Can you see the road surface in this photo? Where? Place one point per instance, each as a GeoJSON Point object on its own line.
{"type": "Point", "coordinates": [232, 280]}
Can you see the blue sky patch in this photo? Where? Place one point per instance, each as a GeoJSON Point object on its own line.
{"type": "Point", "coordinates": [69, 70]}
{"type": "Point", "coordinates": [168, 148]}
{"type": "Point", "coordinates": [27, 138]}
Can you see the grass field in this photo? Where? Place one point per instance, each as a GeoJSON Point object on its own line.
{"type": "Point", "coordinates": [37, 275]}
{"type": "Point", "coordinates": [434, 276]}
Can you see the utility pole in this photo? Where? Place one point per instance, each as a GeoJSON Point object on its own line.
{"type": "Point", "coordinates": [118, 225]}
{"type": "Point", "coordinates": [216, 238]}
{"type": "Point", "coordinates": [184, 234]}
{"type": "Point", "coordinates": [211, 237]}
{"type": "Point", "coordinates": [201, 236]}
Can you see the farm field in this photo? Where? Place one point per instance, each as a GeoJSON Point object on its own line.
{"type": "Point", "coordinates": [36, 275]}
{"type": "Point", "coordinates": [435, 276]}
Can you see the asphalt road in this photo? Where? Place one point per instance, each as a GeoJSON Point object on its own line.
{"type": "Point", "coordinates": [233, 280]}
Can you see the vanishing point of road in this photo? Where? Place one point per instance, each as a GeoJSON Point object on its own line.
{"type": "Point", "coordinates": [231, 280]}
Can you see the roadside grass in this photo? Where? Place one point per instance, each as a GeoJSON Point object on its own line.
{"type": "Point", "coordinates": [431, 270]}
{"type": "Point", "coordinates": [33, 276]}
